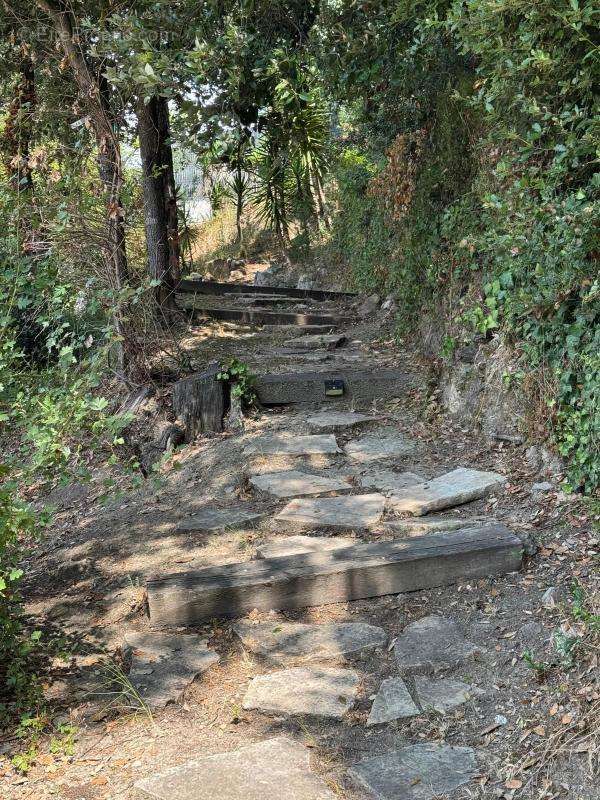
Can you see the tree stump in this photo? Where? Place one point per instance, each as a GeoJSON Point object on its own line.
{"type": "Point", "coordinates": [201, 402]}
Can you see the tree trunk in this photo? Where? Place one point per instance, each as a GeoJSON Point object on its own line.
{"type": "Point", "coordinates": [95, 95]}
{"type": "Point", "coordinates": [160, 201]}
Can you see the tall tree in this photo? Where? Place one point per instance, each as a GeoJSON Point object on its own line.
{"type": "Point", "coordinates": [95, 94]}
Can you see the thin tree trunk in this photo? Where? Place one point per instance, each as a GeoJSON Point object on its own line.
{"type": "Point", "coordinates": [95, 95]}
{"type": "Point", "coordinates": [160, 203]}
{"type": "Point", "coordinates": [170, 190]}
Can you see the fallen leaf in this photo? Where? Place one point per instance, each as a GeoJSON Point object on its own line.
{"type": "Point", "coordinates": [513, 784]}
{"type": "Point", "coordinates": [540, 730]}
{"type": "Point", "coordinates": [553, 710]}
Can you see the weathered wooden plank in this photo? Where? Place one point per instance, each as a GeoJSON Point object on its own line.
{"type": "Point", "coordinates": [365, 570]}
{"type": "Point", "coordinates": [258, 316]}
{"type": "Point", "coordinates": [309, 387]}
{"type": "Point", "coordinates": [201, 402]}
{"type": "Point", "coordinates": [216, 288]}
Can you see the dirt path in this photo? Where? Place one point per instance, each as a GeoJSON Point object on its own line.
{"type": "Point", "coordinates": [530, 724]}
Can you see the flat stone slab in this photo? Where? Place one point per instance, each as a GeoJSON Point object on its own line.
{"type": "Point", "coordinates": [316, 341]}
{"type": "Point", "coordinates": [442, 695]}
{"type": "Point", "coordinates": [417, 527]}
{"type": "Point", "coordinates": [286, 444]}
{"type": "Point", "coordinates": [386, 480]}
{"type": "Point", "coordinates": [393, 701]}
{"type": "Point", "coordinates": [334, 421]}
{"type": "Point", "coordinates": [283, 642]}
{"type": "Point", "coordinates": [256, 772]}
{"type": "Point", "coordinates": [293, 483]}
{"type": "Point", "coordinates": [349, 512]}
{"type": "Point", "coordinates": [292, 545]}
{"type": "Point", "coordinates": [220, 519]}
{"type": "Point", "coordinates": [431, 644]}
{"type": "Point", "coordinates": [416, 772]}
{"type": "Point", "coordinates": [452, 489]}
{"type": "Point", "coordinates": [315, 691]}
{"type": "Point", "coordinates": [378, 448]}
{"type": "Point", "coordinates": [163, 665]}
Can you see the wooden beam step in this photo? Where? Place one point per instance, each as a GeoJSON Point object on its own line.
{"type": "Point", "coordinates": [216, 288]}
{"type": "Point", "coordinates": [316, 387]}
{"type": "Point", "coordinates": [257, 316]}
{"type": "Point", "coordinates": [335, 576]}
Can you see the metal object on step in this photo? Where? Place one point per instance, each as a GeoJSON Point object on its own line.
{"type": "Point", "coordinates": [334, 387]}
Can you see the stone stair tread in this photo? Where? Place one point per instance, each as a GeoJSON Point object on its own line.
{"type": "Point", "coordinates": [163, 665]}
{"type": "Point", "coordinates": [312, 579]}
{"type": "Point", "coordinates": [375, 447]}
{"type": "Point", "coordinates": [350, 512]}
{"type": "Point", "coordinates": [432, 644]}
{"type": "Point", "coordinates": [294, 483]}
{"type": "Point", "coordinates": [416, 772]}
{"type": "Point", "coordinates": [454, 488]}
{"type": "Point", "coordinates": [254, 772]}
{"type": "Point", "coordinates": [288, 444]}
{"type": "Point", "coordinates": [282, 642]}
{"type": "Point", "coordinates": [315, 691]}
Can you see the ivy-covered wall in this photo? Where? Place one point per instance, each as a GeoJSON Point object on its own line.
{"type": "Point", "coordinates": [468, 179]}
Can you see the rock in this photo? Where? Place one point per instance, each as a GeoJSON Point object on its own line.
{"type": "Point", "coordinates": [393, 701]}
{"type": "Point", "coordinates": [416, 772]}
{"type": "Point", "coordinates": [305, 282]}
{"type": "Point", "coordinates": [218, 519]}
{"type": "Point", "coordinates": [350, 512]}
{"type": "Point", "coordinates": [290, 545]}
{"type": "Point", "coordinates": [443, 695]}
{"type": "Point", "coordinates": [333, 421]}
{"type": "Point", "coordinates": [389, 304]}
{"type": "Point", "coordinates": [316, 341]}
{"type": "Point", "coordinates": [417, 527]}
{"type": "Point", "coordinates": [542, 488]}
{"type": "Point", "coordinates": [377, 448]}
{"type": "Point", "coordinates": [286, 444]}
{"type": "Point", "coordinates": [431, 644]}
{"type": "Point", "coordinates": [163, 665]}
{"type": "Point", "coordinates": [386, 480]}
{"type": "Point", "coordinates": [533, 458]}
{"type": "Point", "coordinates": [369, 306]}
{"type": "Point", "coordinates": [282, 642]}
{"type": "Point", "coordinates": [268, 277]}
{"type": "Point", "coordinates": [315, 691]}
{"type": "Point", "coordinates": [451, 489]}
{"type": "Point", "coordinates": [551, 597]}
{"type": "Point", "coordinates": [293, 483]}
{"type": "Point", "coordinates": [255, 772]}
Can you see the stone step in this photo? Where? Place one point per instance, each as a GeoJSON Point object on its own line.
{"type": "Point", "coordinates": [163, 665]}
{"type": "Point", "coordinates": [257, 772]}
{"type": "Point", "coordinates": [365, 570]}
{"type": "Point", "coordinates": [315, 387]}
{"type": "Point", "coordinates": [416, 772]}
{"type": "Point", "coordinates": [284, 642]}
{"type": "Point", "coordinates": [293, 483]}
{"type": "Point", "coordinates": [432, 644]}
{"type": "Point", "coordinates": [258, 316]}
{"type": "Point", "coordinates": [352, 512]}
{"type": "Point", "coordinates": [395, 701]}
{"type": "Point", "coordinates": [314, 691]}
{"type": "Point", "coordinates": [316, 342]}
{"type": "Point", "coordinates": [451, 489]}
{"type": "Point", "coordinates": [285, 444]}
{"type": "Point", "coordinates": [217, 288]}
{"type": "Point", "coordinates": [378, 447]}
